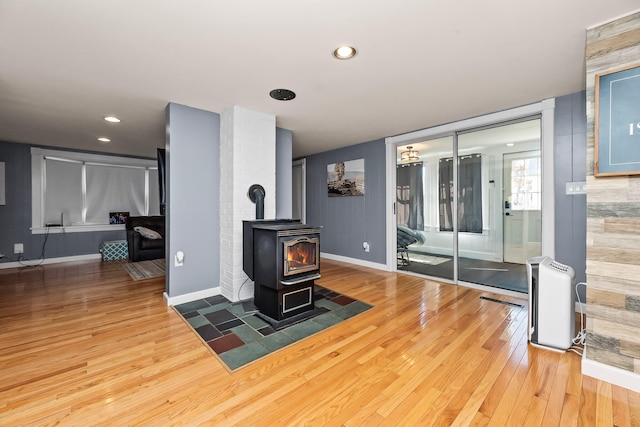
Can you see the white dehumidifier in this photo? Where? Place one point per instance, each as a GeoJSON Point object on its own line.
{"type": "Point", "coordinates": [552, 298]}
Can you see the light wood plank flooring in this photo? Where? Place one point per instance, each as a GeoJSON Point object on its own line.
{"type": "Point", "coordinates": [82, 344]}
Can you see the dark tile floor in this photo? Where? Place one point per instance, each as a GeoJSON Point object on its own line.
{"type": "Point", "coordinates": [239, 336]}
{"type": "Point", "coordinates": [502, 275]}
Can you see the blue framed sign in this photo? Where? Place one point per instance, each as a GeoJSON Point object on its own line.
{"type": "Point", "coordinates": [617, 122]}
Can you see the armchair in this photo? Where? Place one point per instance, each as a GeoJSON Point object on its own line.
{"type": "Point", "coordinates": [141, 248]}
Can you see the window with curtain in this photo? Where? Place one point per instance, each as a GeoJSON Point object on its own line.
{"type": "Point", "coordinates": [410, 195]}
{"type": "Point", "coordinates": [469, 193]}
{"type": "Point", "coordinates": [63, 180]}
{"type": "Point", "coordinates": [114, 189]}
{"type": "Point", "coordinates": [76, 188]}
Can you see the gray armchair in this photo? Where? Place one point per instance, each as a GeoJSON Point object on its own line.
{"type": "Point", "coordinates": [406, 237]}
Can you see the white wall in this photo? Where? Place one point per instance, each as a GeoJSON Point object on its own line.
{"type": "Point", "coordinates": [248, 156]}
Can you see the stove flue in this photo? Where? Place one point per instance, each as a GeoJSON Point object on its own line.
{"type": "Point", "coordinates": [256, 195]}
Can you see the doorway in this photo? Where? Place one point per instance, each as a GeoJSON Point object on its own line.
{"type": "Point", "coordinates": [480, 223]}
{"type": "Point", "coordinates": [299, 185]}
{"type": "Point", "coordinates": [522, 219]}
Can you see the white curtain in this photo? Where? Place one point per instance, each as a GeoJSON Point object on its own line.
{"type": "Point", "coordinates": [114, 189]}
{"type": "Point", "coordinates": [63, 192]}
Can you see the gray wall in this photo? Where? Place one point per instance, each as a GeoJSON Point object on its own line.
{"type": "Point", "coordinates": [284, 187]}
{"type": "Point", "coordinates": [570, 161]}
{"type": "Point", "coordinates": [193, 199]}
{"type": "Point", "coordinates": [349, 221]}
{"type": "Point", "coordinates": [15, 216]}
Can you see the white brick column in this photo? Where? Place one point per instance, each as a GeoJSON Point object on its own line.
{"type": "Point", "coordinates": [247, 157]}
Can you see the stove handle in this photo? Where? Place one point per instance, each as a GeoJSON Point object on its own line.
{"type": "Point", "coordinates": [300, 280]}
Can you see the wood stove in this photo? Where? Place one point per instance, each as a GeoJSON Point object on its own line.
{"type": "Point", "coordinates": [283, 259]}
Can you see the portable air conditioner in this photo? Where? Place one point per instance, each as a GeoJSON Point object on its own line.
{"type": "Point", "coordinates": [551, 303]}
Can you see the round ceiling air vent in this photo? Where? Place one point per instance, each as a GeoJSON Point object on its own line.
{"type": "Point", "coordinates": [282, 94]}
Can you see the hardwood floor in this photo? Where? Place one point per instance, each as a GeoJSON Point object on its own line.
{"type": "Point", "coordinates": [83, 344]}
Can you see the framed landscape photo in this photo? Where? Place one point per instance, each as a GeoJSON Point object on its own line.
{"type": "Point", "coordinates": [617, 122]}
{"type": "Point", "coordinates": [345, 178]}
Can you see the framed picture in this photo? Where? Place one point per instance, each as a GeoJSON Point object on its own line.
{"type": "Point", "coordinates": [118, 217]}
{"type": "Point", "coordinates": [346, 178]}
{"type": "Point", "coordinates": [617, 122]}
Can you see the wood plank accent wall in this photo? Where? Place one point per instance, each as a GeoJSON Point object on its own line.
{"type": "Point", "coordinates": [613, 219]}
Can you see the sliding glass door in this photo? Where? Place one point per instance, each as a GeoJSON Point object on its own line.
{"type": "Point", "coordinates": [468, 205]}
{"type": "Point", "coordinates": [424, 208]}
{"type": "Point", "coordinates": [499, 203]}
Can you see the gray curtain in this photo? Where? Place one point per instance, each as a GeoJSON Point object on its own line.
{"type": "Point", "coordinates": [410, 195]}
{"type": "Point", "coordinates": [469, 194]}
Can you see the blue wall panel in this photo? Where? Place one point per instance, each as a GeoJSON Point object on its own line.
{"type": "Point", "coordinates": [570, 160]}
{"type": "Point", "coordinates": [349, 221]}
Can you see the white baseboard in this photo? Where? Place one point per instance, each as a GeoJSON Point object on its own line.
{"type": "Point", "coordinates": [355, 261]}
{"type": "Point", "coordinates": [610, 374]}
{"type": "Point", "coordinates": [32, 263]}
{"type": "Point", "coordinates": [193, 296]}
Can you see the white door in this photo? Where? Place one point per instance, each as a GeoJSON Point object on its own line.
{"type": "Point", "coordinates": [522, 200]}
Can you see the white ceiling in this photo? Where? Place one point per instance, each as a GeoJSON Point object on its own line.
{"type": "Point", "coordinates": [65, 64]}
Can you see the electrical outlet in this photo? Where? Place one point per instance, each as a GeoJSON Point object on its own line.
{"type": "Point", "coordinates": [366, 246]}
{"type": "Point", "coordinates": [179, 260]}
{"type": "Point", "coordinates": [18, 248]}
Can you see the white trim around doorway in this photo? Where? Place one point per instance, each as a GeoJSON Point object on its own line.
{"type": "Point", "coordinates": [543, 108]}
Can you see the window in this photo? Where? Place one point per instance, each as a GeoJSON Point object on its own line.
{"type": "Point", "coordinates": [525, 184]}
{"type": "Point", "coordinates": [410, 195]}
{"type": "Point", "coordinates": [79, 190]}
{"type": "Point", "coordinates": [469, 193]}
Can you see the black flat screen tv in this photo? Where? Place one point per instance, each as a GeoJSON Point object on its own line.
{"type": "Point", "coordinates": [162, 180]}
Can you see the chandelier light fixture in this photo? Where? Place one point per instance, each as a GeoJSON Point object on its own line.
{"type": "Point", "coordinates": [410, 155]}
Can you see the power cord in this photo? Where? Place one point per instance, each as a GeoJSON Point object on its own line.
{"type": "Point", "coordinates": [580, 338]}
{"type": "Point", "coordinates": [41, 258]}
{"type": "Point", "coordinates": [241, 286]}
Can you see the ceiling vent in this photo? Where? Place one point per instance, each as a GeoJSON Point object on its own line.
{"type": "Point", "coordinates": [282, 94]}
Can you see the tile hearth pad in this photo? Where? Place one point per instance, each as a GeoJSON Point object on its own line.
{"type": "Point", "coordinates": [238, 336]}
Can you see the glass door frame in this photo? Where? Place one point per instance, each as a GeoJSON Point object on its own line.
{"type": "Point", "coordinates": [545, 109]}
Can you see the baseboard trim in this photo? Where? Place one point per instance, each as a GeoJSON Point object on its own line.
{"type": "Point", "coordinates": [34, 263]}
{"type": "Point", "coordinates": [610, 374]}
{"type": "Point", "coordinates": [193, 296]}
{"type": "Point", "coordinates": [355, 261]}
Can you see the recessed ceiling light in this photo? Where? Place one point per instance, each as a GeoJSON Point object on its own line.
{"type": "Point", "coordinates": [112, 119]}
{"type": "Point", "coordinates": [104, 139]}
{"type": "Point", "coordinates": [282, 94]}
{"type": "Point", "coordinates": [510, 144]}
{"type": "Point", "coordinates": [345, 52]}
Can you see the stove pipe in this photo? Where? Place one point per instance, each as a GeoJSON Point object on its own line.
{"type": "Point", "coordinates": [256, 195]}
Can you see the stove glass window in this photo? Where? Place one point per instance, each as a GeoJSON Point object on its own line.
{"type": "Point", "coordinates": [300, 255]}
